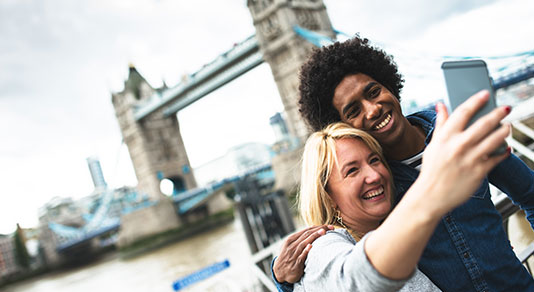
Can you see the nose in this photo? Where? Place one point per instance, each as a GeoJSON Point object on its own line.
{"type": "Point", "coordinates": [371, 175]}
{"type": "Point", "coordinates": [372, 110]}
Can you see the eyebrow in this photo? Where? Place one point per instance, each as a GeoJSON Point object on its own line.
{"type": "Point", "coordinates": [356, 163]}
{"type": "Point", "coordinates": [348, 165]}
{"type": "Point", "coordinates": [365, 91]}
{"type": "Point", "coordinates": [372, 154]}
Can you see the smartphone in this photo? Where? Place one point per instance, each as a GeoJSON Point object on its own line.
{"type": "Point", "coordinates": [465, 78]}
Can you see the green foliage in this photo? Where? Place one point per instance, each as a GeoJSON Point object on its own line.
{"type": "Point", "coordinates": [230, 193]}
{"type": "Point", "coordinates": [21, 253]}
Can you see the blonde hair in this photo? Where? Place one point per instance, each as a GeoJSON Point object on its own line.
{"type": "Point", "coordinates": [315, 205]}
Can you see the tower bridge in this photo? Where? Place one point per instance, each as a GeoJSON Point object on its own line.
{"type": "Point", "coordinates": [147, 116]}
{"type": "Point", "coordinates": [286, 31]}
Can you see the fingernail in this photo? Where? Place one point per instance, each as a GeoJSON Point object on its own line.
{"type": "Point", "coordinates": [482, 93]}
{"type": "Point", "coordinates": [508, 109]}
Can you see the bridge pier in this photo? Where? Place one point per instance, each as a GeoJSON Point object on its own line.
{"type": "Point", "coordinates": [148, 221]}
{"type": "Point", "coordinates": [157, 152]}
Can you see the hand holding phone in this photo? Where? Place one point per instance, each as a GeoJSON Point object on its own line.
{"type": "Point", "coordinates": [465, 78]}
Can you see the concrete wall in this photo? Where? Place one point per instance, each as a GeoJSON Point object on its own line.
{"type": "Point", "coordinates": [219, 202]}
{"type": "Point", "coordinates": [147, 221]}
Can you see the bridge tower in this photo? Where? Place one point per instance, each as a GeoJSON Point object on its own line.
{"type": "Point", "coordinates": [155, 143]}
{"type": "Point", "coordinates": [284, 50]}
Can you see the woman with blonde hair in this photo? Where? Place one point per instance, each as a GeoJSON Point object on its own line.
{"type": "Point", "coordinates": [346, 182]}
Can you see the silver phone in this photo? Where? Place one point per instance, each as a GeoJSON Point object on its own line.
{"type": "Point", "coordinates": [465, 78]}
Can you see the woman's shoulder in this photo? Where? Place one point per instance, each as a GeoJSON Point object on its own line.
{"type": "Point", "coordinates": [336, 236]}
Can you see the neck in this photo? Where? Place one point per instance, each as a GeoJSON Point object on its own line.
{"type": "Point", "coordinates": [358, 231]}
{"type": "Point", "coordinates": [411, 143]}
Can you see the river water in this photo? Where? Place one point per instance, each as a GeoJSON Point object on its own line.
{"type": "Point", "coordinates": [157, 270]}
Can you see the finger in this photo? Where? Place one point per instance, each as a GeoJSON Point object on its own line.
{"type": "Point", "coordinates": [314, 229]}
{"type": "Point", "coordinates": [302, 258]}
{"type": "Point", "coordinates": [487, 124]}
{"type": "Point", "coordinates": [491, 142]}
{"type": "Point", "coordinates": [441, 116]}
{"type": "Point", "coordinates": [291, 238]}
{"type": "Point", "coordinates": [327, 227]}
{"type": "Point", "coordinates": [301, 233]}
{"type": "Point", "coordinates": [496, 159]}
{"type": "Point", "coordinates": [309, 240]}
{"type": "Point", "coordinates": [312, 237]}
{"type": "Point", "coordinates": [462, 114]}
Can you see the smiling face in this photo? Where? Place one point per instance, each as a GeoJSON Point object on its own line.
{"type": "Point", "coordinates": [367, 105]}
{"type": "Point", "coordinates": [360, 185]}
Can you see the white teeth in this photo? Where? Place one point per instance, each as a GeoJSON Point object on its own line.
{"type": "Point", "coordinates": [374, 193]}
{"type": "Point", "coordinates": [384, 122]}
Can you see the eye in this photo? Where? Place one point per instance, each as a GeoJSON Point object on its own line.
{"type": "Point", "coordinates": [354, 112]}
{"type": "Point", "coordinates": [375, 92]}
{"type": "Point", "coordinates": [351, 171]}
{"type": "Point", "coordinates": [375, 160]}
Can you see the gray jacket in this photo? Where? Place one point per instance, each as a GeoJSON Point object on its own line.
{"type": "Point", "coordinates": [337, 262]}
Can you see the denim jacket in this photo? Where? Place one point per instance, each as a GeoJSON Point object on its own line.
{"type": "Point", "coordinates": [469, 250]}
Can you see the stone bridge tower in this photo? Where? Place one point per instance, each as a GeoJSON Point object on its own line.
{"type": "Point", "coordinates": [284, 50]}
{"type": "Point", "coordinates": [155, 143]}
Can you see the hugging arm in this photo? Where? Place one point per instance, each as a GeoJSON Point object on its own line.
{"type": "Point", "coordinates": [288, 267]}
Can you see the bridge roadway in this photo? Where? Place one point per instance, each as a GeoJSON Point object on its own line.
{"type": "Point", "coordinates": [242, 58]}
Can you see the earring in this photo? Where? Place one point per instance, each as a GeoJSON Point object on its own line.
{"type": "Point", "coordinates": [339, 219]}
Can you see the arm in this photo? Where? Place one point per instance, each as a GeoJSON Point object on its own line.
{"type": "Point", "coordinates": [337, 263]}
{"type": "Point", "coordinates": [288, 267]}
{"type": "Point", "coordinates": [454, 155]}
{"type": "Point", "coordinates": [516, 179]}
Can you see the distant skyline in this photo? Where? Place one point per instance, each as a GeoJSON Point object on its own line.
{"type": "Point", "coordinates": [60, 60]}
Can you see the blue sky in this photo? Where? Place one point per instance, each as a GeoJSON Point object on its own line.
{"type": "Point", "coordinates": [61, 59]}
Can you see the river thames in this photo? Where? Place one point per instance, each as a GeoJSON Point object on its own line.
{"type": "Point", "coordinates": [158, 269]}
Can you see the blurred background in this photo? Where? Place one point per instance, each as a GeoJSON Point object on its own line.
{"type": "Point", "coordinates": [145, 141]}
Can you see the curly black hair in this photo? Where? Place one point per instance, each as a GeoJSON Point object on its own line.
{"type": "Point", "coordinates": [326, 68]}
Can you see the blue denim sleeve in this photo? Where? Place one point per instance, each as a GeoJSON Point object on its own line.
{"type": "Point", "coordinates": [516, 179]}
{"type": "Point", "coordinates": [282, 287]}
